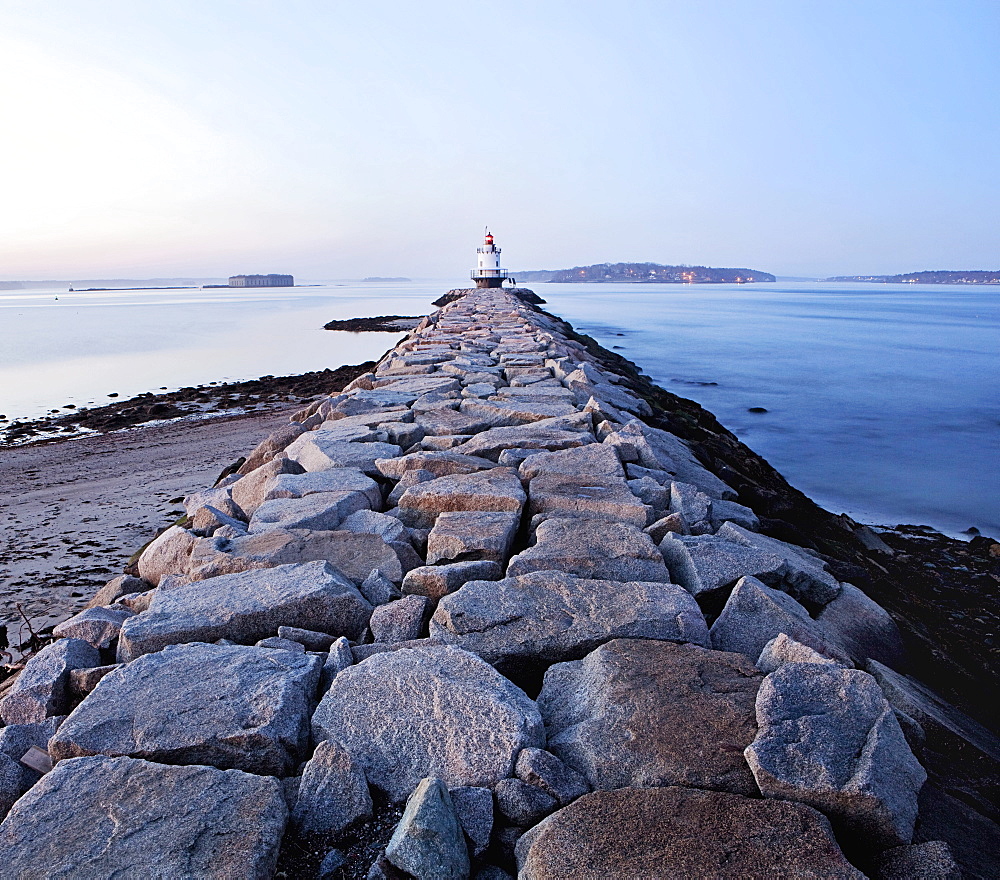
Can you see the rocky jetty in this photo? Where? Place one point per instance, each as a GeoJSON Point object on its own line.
{"type": "Point", "coordinates": [481, 614]}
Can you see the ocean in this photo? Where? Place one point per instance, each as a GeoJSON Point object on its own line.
{"type": "Point", "coordinates": [881, 400]}
{"type": "Point", "coordinates": [59, 348]}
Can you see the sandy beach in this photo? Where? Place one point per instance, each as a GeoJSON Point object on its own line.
{"type": "Point", "coordinates": [74, 511]}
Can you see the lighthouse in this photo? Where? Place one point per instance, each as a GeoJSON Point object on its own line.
{"type": "Point", "coordinates": [488, 272]}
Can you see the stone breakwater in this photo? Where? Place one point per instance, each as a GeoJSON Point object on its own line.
{"type": "Point", "coordinates": [478, 582]}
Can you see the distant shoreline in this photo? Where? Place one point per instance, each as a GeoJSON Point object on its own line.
{"type": "Point", "coordinates": [645, 273]}
{"type": "Point", "coordinates": [886, 281]}
{"type": "Point", "coordinates": [98, 289]}
{"type": "Point", "coordinates": [639, 281]}
{"type": "Point", "coordinates": [937, 276]}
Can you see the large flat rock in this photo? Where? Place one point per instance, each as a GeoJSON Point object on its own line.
{"type": "Point", "coordinates": [592, 549]}
{"type": "Point", "coordinates": [829, 739]}
{"type": "Point", "coordinates": [595, 459]}
{"type": "Point", "coordinates": [419, 384]}
{"type": "Point", "coordinates": [548, 617]}
{"type": "Point", "coordinates": [679, 832]}
{"type": "Point", "coordinates": [462, 535]}
{"type": "Point", "coordinates": [440, 464]}
{"type": "Point", "coordinates": [387, 397]}
{"type": "Point", "coordinates": [585, 495]}
{"type": "Point", "coordinates": [317, 511]}
{"type": "Point", "coordinates": [353, 555]}
{"type": "Point", "coordinates": [496, 490]}
{"type": "Point", "coordinates": [544, 389]}
{"type": "Point", "coordinates": [248, 606]}
{"type": "Point", "coordinates": [513, 413]}
{"type": "Point", "coordinates": [489, 444]}
{"type": "Point", "coordinates": [374, 417]}
{"type": "Point", "coordinates": [652, 713]}
{"type": "Point", "coordinates": [228, 706]}
{"type": "Point", "coordinates": [435, 711]}
{"type": "Point", "coordinates": [444, 422]}
{"type": "Point", "coordinates": [104, 817]}
{"type": "Point", "coordinates": [322, 449]}
{"type": "Point", "coordinates": [333, 480]}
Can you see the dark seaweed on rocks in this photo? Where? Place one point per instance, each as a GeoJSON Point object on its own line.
{"type": "Point", "coordinates": [380, 324]}
{"type": "Point", "coordinates": [254, 395]}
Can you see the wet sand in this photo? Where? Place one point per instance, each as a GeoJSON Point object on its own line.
{"type": "Point", "coordinates": [74, 511]}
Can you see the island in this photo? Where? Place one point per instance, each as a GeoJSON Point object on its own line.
{"type": "Point", "coordinates": [646, 273]}
{"type": "Point", "coordinates": [928, 276]}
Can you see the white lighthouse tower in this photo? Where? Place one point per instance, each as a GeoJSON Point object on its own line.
{"type": "Point", "coordinates": [488, 272]}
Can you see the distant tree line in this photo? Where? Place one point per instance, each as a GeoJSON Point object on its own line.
{"type": "Point", "coordinates": [973, 276]}
{"type": "Point", "coordinates": [646, 273]}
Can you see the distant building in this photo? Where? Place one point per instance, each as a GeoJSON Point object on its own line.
{"type": "Point", "coordinates": [261, 281]}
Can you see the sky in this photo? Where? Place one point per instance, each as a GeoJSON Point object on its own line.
{"type": "Point", "coordinates": [335, 139]}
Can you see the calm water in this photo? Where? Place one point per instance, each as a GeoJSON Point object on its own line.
{"type": "Point", "coordinates": [882, 400]}
{"type": "Point", "coordinates": [58, 347]}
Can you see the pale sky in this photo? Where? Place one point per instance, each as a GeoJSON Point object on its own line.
{"type": "Point", "coordinates": [337, 140]}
